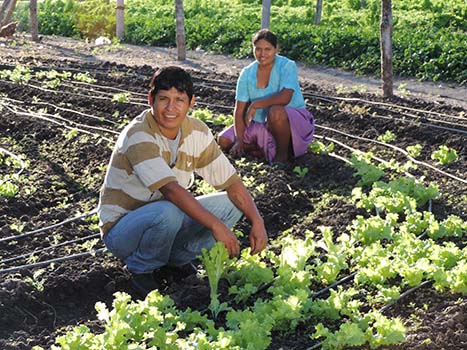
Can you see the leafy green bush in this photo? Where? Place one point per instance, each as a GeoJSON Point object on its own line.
{"type": "Point", "coordinates": [58, 17]}
{"type": "Point", "coordinates": [429, 37]}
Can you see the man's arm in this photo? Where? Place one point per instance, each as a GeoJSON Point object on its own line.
{"type": "Point", "coordinates": [240, 196]}
{"type": "Point", "coordinates": [183, 199]}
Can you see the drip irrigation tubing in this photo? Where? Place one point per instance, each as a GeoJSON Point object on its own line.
{"type": "Point", "coordinates": [434, 126]}
{"type": "Point", "coordinates": [56, 260]}
{"type": "Point", "coordinates": [354, 99]}
{"type": "Point", "coordinates": [101, 119]}
{"type": "Point", "coordinates": [38, 251]}
{"type": "Point", "coordinates": [52, 116]}
{"type": "Point", "coordinates": [12, 155]}
{"type": "Point", "coordinates": [354, 150]}
{"type": "Point", "coordinates": [54, 122]}
{"type": "Point", "coordinates": [70, 93]}
{"type": "Point", "coordinates": [45, 229]}
{"type": "Point", "coordinates": [396, 149]}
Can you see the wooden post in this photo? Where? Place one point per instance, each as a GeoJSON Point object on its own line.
{"type": "Point", "coordinates": [386, 48]}
{"type": "Point", "coordinates": [180, 30]}
{"type": "Point", "coordinates": [6, 12]}
{"type": "Point", "coordinates": [33, 23]}
{"type": "Point", "coordinates": [318, 12]}
{"type": "Point", "coordinates": [266, 14]}
{"type": "Point", "coordinates": [120, 19]}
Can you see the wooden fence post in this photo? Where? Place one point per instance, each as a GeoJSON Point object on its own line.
{"type": "Point", "coordinates": [266, 14]}
{"type": "Point", "coordinates": [180, 30]}
{"type": "Point", "coordinates": [120, 30]}
{"type": "Point", "coordinates": [386, 47]}
{"type": "Point", "coordinates": [33, 23]}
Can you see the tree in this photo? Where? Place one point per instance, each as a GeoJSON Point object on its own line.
{"type": "Point", "coordinates": [120, 31]}
{"type": "Point", "coordinates": [33, 23]}
{"type": "Point", "coordinates": [386, 47]}
{"type": "Point", "coordinates": [266, 14]}
{"type": "Point", "coordinates": [6, 11]}
{"type": "Point", "coordinates": [319, 10]}
{"type": "Point", "coordinates": [180, 30]}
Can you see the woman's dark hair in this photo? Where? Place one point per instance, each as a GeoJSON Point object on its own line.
{"type": "Point", "coordinates": [267, 35]}
{"type": "Point", "coordinates": [171, 77]}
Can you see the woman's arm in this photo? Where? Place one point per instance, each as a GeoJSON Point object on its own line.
{"type": "Point", "coordinates": [282, 98]}
{"type": "Point", "coordinates": [239, 124]}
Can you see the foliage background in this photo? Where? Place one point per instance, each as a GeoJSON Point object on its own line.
{"type": "Point", "coordinates": [430, 36]}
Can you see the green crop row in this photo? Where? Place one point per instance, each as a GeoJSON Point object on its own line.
{"type": "Point", "coordinates": [430, 36]}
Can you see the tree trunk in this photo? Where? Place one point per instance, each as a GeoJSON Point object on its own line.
{"type": "Point", "coordinates": [386, 47]}
{"type": "Point", "coordinates": [120, 19]}
{"type": "Point", "coordinates": [33, 20]}
{"type": "Point", "coordinates": [362, 4]}
{"type": "Point", "coordinates": [180, 30]}
{"type": "Point", "coordinates": [266, 15]}
{"type": "Point", "coordinates": [319, 11]}
{"type": "Point", "coordinates": [5, 5]}
{"type": "Point", "coordinates": [6, 12]}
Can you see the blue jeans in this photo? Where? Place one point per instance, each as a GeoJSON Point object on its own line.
{"type": "Point", "coordinates": [159, 233]}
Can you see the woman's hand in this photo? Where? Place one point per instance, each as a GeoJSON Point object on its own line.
{"type": "Point", "coordinates": [238, 148]}
{"type": "Point", "coordinates": [250, 114]}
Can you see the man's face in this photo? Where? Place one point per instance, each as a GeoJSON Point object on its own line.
{"type": "Point", "coordinates": [169, 109]}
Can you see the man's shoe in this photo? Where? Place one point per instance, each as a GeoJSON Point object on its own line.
{"type": "Point", "coordinates": [178, 273]}
{"type": "Point", "coordinates": [144, 283]}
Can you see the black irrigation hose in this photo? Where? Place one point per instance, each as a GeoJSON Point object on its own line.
{"type": "Point", "coordinates": [385, 307]}
{"type": "Point", "coordinates": [56, 260]}
{"type": "Point", "coordinates": [48, 116]}
{"type": "Point", "coordinates": [18, 257]}
{"type": "Point", "coordinates": [434, 126]}
{"type": "Point", "coordinates": [51, 120]}
{"type": "Point", "coordinates": [394, 148]}
{"type": "Point", "coordinates": [391, 105]}
{"type": "Point", "coordinates": [12, 155]}
{"type": "Point", "coordinates": [64, 110]}
{"type": "Point", "coordinates": [45, 229]}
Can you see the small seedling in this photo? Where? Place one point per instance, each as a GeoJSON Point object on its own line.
{"type": "Point", "coordinates": [445, 155]}
{"type": "Point", "coordinates": [387, 137]}
{"type": "Point", "coordinates": [301, 172]}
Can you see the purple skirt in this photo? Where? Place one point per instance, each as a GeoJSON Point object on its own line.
{"type": "Point", "coordinates": [302, 127]}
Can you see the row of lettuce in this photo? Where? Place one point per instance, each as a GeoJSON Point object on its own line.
{"type": "Point", "coordinates": [429, 36]}
{"type": "Point", "coordinates": [394, 247]}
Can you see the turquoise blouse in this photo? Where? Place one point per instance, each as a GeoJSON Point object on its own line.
{"type": "Point", "coordinates": [284, 74]}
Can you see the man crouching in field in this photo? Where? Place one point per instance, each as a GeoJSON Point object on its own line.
{"type": "Point", "coordinates": [147, 216]}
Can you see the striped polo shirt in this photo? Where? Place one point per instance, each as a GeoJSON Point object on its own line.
{"type": "Point", "coordinates": [139, 166]}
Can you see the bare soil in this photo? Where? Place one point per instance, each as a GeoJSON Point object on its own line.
{"type": "Point", "coordinates": [65, 171]}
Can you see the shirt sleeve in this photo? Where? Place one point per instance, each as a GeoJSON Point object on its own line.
{"type": "Point", "coordinates": [289, 76]}
{"type": "Point", "coordinates": [213, 166]}
{"type": "Point", "coordinates": [241, 93]}
{"type": "Point", "coordinates": [144, 155]}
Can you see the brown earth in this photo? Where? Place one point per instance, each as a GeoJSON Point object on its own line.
{"type": "Point", "coordinates": [65, 172]}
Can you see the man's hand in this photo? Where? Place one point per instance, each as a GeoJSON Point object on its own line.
{"type": "Point", "coordinates": [258, 238]}
{"type": "Point", "coordinates": [222, 234]}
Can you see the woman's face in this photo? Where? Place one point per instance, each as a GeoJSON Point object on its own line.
{"type": "Point", "coordinates": [264, 52]}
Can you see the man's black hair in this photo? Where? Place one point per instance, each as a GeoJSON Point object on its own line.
{"type": "Point", "coordinates": [169, 77]}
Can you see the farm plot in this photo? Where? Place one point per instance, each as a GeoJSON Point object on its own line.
{"type": "Point", "coordinates": [367, 229]}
